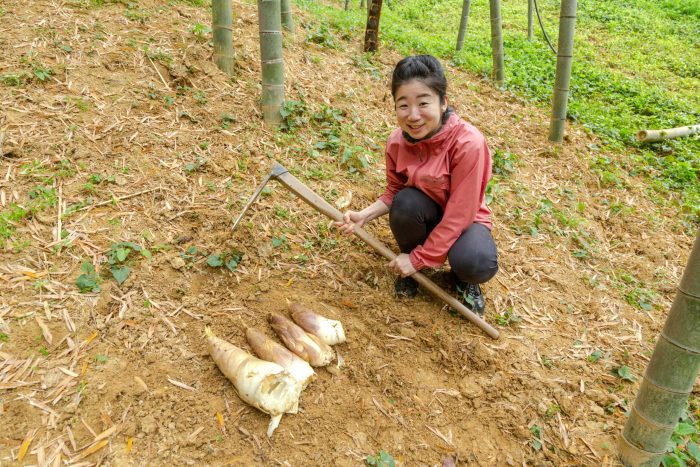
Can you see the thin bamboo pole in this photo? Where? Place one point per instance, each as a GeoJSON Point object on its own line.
{"type": "Point", "coordinates": [222, 28]}
{"type": "Point", "coordinates": [659, 135]}
{"type": "Point", "coordinates": [463, 22]}
{"type": "Point", "coordinates": [530, 23]}
{"type": "Point", "coordinates": [497, 42]}
{"type": "Point", "coordinates": [565, 58]}
{"type": "Point", "coordinates": [372, 30]}
{"type": "Point", "coordinates": [270, 23]}
{"type": "Point", "coordinates": [287, 19]}
{"type": "Point", "coordinates": [363, 4]}
{"type": "Point", "coordinates": [669, 377]}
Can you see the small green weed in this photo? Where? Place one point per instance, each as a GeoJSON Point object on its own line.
{"type": "Point", "coordinates": [117, 259]}
{"type": "Point", "coordinates": [536, 441]}
{"type": "Point", "coordinates": [4, 337]}
{"type": "Point", "coordinates": [88, 281]}
{"type": "Point", "coordinates": [294, 115]}
{"type": "Point", "coordinates": [595, 356]}
{"type": "Point", "coordinates": [230, 260]}
{"type": "Point", "coordinates": [625, 373]}
{"type": "Point", "coordinates": [508, 317]}
{"type": "Point", "coordinates": [381, 459]}
{"type": "Point", "coordinates": [200, 31]}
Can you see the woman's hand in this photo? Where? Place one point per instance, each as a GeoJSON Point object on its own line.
{"type": "Point", "coordinates": [402, 265]}
{"type": "Point", "coordinates": [350, 220]}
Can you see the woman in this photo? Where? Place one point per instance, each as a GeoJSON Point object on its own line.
{"type": "Point", "coordinates": [437, 168]}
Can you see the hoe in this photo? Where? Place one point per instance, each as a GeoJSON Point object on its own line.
{"type": "Point", "coordinates": [321, 205]}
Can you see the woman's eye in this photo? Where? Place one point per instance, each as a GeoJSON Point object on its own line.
{"type": "Point", "coordinates": [424, 104]}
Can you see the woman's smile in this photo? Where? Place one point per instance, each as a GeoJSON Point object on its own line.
{"type": "Point", "coordinates": [418, 109]}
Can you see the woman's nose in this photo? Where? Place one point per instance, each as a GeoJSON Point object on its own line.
{"type": "Point", "coordinates": [414, 114]}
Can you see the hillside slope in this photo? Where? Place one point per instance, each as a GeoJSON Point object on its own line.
{"type": "Point", "coordinates": [118, 128]}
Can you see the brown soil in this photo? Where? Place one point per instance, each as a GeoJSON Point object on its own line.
{"type": "Point", "coordinates": [417, 381]}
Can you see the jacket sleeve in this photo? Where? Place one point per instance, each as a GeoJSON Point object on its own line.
{"type": "Point", "coordinates": [395, 181]}
{"type": "Point", "coordinates": [468, 180]}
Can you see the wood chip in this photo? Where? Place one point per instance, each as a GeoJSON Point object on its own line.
{"type": "Point", "coordinates": [180, 384]}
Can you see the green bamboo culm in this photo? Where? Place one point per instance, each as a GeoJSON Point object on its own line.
{"type": "Point", "coordinates": [287, 19]}
{"type": "Point", "coordinates": [669, 376]}
{"type": "Point", "coordinates": [466, 4]}
{"type": "Point", "coordinates": [497, 42]}
{"type": "Point", "coordinates": [222, 28]}
{"type": "Point", "coordinates": [270, 23]}
{"type": "Point", "coordinates": [530, 24]}
{"type": "Point", "coordinates": [565, 58]}
{"type": "Point", "coordinates": [372, 29]}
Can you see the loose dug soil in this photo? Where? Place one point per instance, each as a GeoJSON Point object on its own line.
{"type": "Point", "coordinates": [122, 376]}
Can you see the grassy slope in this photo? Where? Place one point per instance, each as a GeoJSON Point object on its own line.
{"type": "Point", "coordinates": [637, 66]}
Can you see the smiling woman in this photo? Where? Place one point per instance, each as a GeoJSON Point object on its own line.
{"type": "Point", "coordinates": [437, 168]}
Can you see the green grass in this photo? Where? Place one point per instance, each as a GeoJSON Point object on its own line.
{"type": "Point", "coordinates": [637, 65]}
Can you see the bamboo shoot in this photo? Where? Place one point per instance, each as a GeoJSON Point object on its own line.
{"type": "Point", "coordinates": [269, 350]}
{"type": "Point", "coordinates": [264, 385]}
{"type": "Point", "coordinates": [330, 331]}
{"type": "Point", "coordinates": [307, 346]}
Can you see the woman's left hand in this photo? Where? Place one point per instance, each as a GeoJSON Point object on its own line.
{"type": "Point", "coordinates": [402, 265]}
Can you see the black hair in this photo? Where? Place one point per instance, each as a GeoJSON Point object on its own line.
{"type": "Point", "coordinates": [424, 68]}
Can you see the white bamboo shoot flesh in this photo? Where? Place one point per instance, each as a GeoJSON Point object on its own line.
{"type": "Point", "coordinates": [305, 345]}
{"type": "Point", "coordinates": [329, 331]}
{"type": "Point", "coordinates": [264, 385]}
{"type": "Point", "coordinates": [660, 135]}
{"type": "Point", "coordinates": [269, 350]}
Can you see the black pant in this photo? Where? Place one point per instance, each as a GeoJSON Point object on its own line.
{"type": "Point", "coordinates": [413, 215]}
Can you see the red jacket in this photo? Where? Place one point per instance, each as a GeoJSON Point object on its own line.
{"type": "Point", "coordinates": [452, 168]}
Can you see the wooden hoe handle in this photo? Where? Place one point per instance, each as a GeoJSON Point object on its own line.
{"type": "Point", "coordinates": [322, 206]}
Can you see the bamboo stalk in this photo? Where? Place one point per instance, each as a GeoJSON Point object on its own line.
{"type": "Point", "coordinates": [287, 19]}
{"type": "Point", "coordinates": [565, 58]}
{"type": "Point", "coordinates": [669, 377]}
{"type": "Point", "coordinates": [372, 30]}
{"type": "Point", "coordinates": [222, 28]}
{"type": "Point", "coordinates": [346, 7]}
{"type": "Point", "coordinates": [497, 42]}
{"type": "Point", "coordinates": [463, 22]}
{"type": "Point", "coordinates": [270, 23]}
{"type": "Point", "coordinates": [659, 135]}
{"type": "Point", "coordinates": [530, 23]}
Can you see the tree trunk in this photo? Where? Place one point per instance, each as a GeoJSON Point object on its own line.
{"type": "Point", "coordinates": [658, 135]}
{"type": "Point", "coordinates": [463, 24]}
{"type": "Point", "coordinates": [222, 28]}
{"type": "Point", "coordinates": [669, 377]}
{"type": "Point", "coordinates": [565, 58]}
{"type": "Point", "coordinates": [287, 19]}
{"type": "Point", "coordinates": [530, 8]}
{"type": "Point", "coordinates": [270, 23]}
{"type": "Point", "coordinates": [372, 30]}
{"type": "Point", "coordinates": [347, 5]}
{"type": "Point", "coordinates": [497, 42]}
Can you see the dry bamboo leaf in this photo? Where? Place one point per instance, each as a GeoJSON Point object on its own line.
{"type": "Point", "coordinates": [91, 450]}
{"type": "Point", "coordinates": [106, 434]}
{"type": "Point", "coordinates": [25, 445]}
{"type": "Point", "coordinates": [141, 383]}
{"type": "Point", "coordinates": [48, 337]}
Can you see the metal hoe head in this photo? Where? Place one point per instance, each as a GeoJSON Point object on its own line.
{"type": "Point", "coordinates": [277, 170]}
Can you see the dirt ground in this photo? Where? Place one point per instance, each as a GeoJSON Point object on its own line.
{"type": "Point", "coordinates": [140, 138]}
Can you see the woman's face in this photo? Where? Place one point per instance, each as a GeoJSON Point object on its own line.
{"type": "Point", "coordinates": [418, 109]}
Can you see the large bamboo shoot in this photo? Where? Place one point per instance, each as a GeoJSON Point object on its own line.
{"type": "Point", "coordinates": [264, 385]}
{"type": "Point", "coordinates": [222, 29]}
{"type": "Point", "coordinates": [372, 30]}
{"type": "Point", "coordinates": [497, 42]}
{"type": "Point", "coordinates": [565, 59]}
{"type": "Point", "coordinates": [659, 135]}
{"type": "Point", "coordinates": [463, 22]}
{"type": "Point", "coordinates": [270, 23]}
{"type": "Point", "coordinates": [669, 377]}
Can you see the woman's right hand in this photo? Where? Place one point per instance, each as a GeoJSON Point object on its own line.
{"type": "Point", "coordinates": [350, 220]}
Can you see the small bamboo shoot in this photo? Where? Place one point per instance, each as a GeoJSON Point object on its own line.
{"type": "Point", "coordinates": [269, 350]}
{"type": "Point", "coordinates": [330, 331]}
{"type": "Point", "coordinates": [307, 346]}
{"type": "Point", "coordinates": [264, 385]}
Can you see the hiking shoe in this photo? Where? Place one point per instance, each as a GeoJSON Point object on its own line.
{"type": "Point", "coordinates": [405, 287]}
{"type": "Point", "coordinates": [470, 295]}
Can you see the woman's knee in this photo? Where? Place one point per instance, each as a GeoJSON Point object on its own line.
{"type": "Point", "coordinates": [409, 204]}
{"type": "Point", "coordinates": [475, 269]}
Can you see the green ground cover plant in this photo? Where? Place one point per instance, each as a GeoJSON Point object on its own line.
{"type": "Point", "coordinates": [636, 66]}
